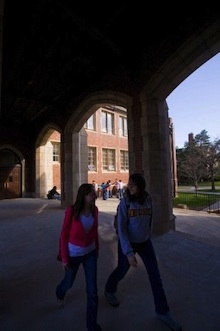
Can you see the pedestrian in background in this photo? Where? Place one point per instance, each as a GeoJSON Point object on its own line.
{"type": "Point", "coordinates": [96, 186]}
{"type": "Point", "coordinates": [134, 236]}
{"type": "Point", "coordinates": [120, 189]}
{"type": "Point", "coordinates": [116, 184]}
{"type": "Point", "coordinates": [109, 189]}
{"type": "Point", "coordinates": [79, 244]}
{"type": "Point", "coordinates": [53, 194]}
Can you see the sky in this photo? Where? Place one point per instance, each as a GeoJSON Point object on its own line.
{"type": "Point", "coordinates": [195, 104]}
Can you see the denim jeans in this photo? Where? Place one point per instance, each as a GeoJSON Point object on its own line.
{"type": "Point", "coordinates": [147, 254]}
{"type": "Point", "coordinates": [89, 262]}
{"type": "Point", "coordinates": [120, 193]}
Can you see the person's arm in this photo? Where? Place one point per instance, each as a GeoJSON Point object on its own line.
{"type": "Point", "coordinates": [123, 220]}
{"type": "Point", "coordinates": [123, 227]}
{"type": "Point", "coordinates": [64, 237]}
{"type": "Point", "coordinates": [97, 235]}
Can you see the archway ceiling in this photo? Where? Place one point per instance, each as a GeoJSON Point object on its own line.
{"type": "Point", "coordinates": [55, 52]}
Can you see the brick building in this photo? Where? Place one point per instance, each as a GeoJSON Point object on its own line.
{"type": "Point", "coordinates": [107, 143]}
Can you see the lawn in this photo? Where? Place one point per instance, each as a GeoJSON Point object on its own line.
{"type": "Point", "coordinates": [203, 198]}
{"type": "Point", "coordinates": [195, 201]}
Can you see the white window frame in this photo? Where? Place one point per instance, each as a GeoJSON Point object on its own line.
{"type": "Point", "coordinates": [108, 159]}
{"type": "Point", "coordinates": [123, 126]}
{"type": "Point", "coordinates": [92, 158]}
{"type": "Point", "coordinates": [107, 122]}
{"type": "Point", "coordinates": [124, 161]}
{"type": "Point", "coordinates": [56, 151]}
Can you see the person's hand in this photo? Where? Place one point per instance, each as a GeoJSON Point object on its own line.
{"type": "Point", "coordinates": [65, 266]}
{"type": "Point", "coordinates": [132, 261]}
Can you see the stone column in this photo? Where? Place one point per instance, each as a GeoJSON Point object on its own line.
{"type": "Point", "coordinates": [149, 153]}
{"type": "Point", "coordinates": [74, 167]}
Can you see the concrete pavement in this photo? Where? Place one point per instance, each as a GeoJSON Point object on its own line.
{"type": "Point", "coordinates": [189, 261]}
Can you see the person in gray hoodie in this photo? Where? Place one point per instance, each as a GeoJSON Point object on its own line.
{"type": "Point", "coordinates": [134, 236]}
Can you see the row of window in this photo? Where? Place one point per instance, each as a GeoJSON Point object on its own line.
{"type": "Point", "coordinates": [108, 124]}
{"type": "Point", "coordinates": [108, 155]}
{"type": "Point", "coordinates": [108, 159]}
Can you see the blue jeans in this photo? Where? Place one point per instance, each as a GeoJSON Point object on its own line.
{"type": "Point", "coordinates": [147, 254]}
{"type": "Point", "coordinates": [105, 195]}
{"type": "Point", "coordinates": [120, 193]}
{"type": "Point", "coordinates": [89, 262]}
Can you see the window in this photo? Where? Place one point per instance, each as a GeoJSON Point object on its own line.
{"type": "Point", "coordinates": [124, 164]}
{"type": "Point", "coordinates": [107, 122]}
{"type": "Point", "coordinates": [56, 152]}
{"type": "Point", "coordinates": [92, 159]}
{"type": "Point", "coordinates": [108, 159]}
{"type": "Point", "coordinates": [123, 126]}
{"type": "Point", "coordinates": [90, 124]}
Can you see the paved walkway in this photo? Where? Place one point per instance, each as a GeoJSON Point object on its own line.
{"type": "Point", "coordinates": [189, 260]}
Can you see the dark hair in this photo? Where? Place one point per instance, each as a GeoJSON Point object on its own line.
{"type": "Point", "coordinates": [139, 180]}
{"type": "Point", "coordinates": [78, 206]}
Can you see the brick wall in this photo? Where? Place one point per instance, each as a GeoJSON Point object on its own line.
{"type": "Point", "coordinates": [99, 140]}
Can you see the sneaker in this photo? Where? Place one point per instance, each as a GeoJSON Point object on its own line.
{"type": "Point", "coordinates": [61, 303]}
{"type": "Point", "coordinates": [112, 300]}
{"type": "Point", "coordinates": [98, 328]}
{"type": "Point", "coordinates": [169, 321]}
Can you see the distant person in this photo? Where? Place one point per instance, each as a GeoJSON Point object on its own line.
{"type": "Point", "coordinates": [134, 236]}
{"type": "Point", "coordinates": [109, 189]}
{"type": "Point", "coordinates": [96, 186]}
{"type": "Point", "coordinates": [79, 245]}
{"type": "Point", "coordinates": [104, 187]}
{"type": "Point", "coordinates": [120, 189]}
{"type": "Point", "coordinates": [116, 184]}
{"type": "Point", "coordinates": [53, 194]}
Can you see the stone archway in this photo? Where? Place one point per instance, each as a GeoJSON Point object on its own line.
{"type": "Point", "coordinates": [44, 161]}
{"type": "Point", "coordinates": [11, 173]}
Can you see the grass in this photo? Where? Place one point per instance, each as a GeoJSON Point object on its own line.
{"type": "Point", "coordinates": [199, 200]}
{"type": "Point", "coordinates": [195, 201]}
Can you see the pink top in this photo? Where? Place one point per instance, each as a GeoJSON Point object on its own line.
{"type": "Point", "coordinates": [74, 233]}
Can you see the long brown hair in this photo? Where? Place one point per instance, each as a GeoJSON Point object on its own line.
{"type": "Point", "coordinates": [78, 206]}
{"type": "Point", "coordinates": [139, 180]}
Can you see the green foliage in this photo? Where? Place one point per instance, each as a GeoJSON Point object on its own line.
{"type": "Point", "coordinates": [199, 160]}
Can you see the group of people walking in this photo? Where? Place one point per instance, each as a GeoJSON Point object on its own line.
{"type": "Point", "coordinates": [108, 189]}
{"type": "Point", "coordinates": [79, 244]}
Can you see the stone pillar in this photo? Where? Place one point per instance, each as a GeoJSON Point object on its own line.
{"type": "Point", "coordinates": [173, 160]}
{"type": "Point", "coordinates": [149, 153]}
{"type": "Point", "coordinates": [74, 165]}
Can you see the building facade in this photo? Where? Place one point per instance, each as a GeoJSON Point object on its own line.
{"type": "Point", "coordinates": [107, 142]}
{"type": "Point", "coordinates": [107, 146]}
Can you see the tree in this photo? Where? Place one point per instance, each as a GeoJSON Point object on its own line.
{"type": "Point", "coordinates": [199, 159]}
{"type": "Point", "coordinates": [191, 164]}
{"type": "Point", "coordinates": [213, 161]}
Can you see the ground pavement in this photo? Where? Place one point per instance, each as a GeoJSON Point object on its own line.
{"type": "Point", "coordinates": [189, 261]}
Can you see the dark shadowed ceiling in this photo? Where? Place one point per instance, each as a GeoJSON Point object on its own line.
{"type": "Point", "coordinates": [55, 52]}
